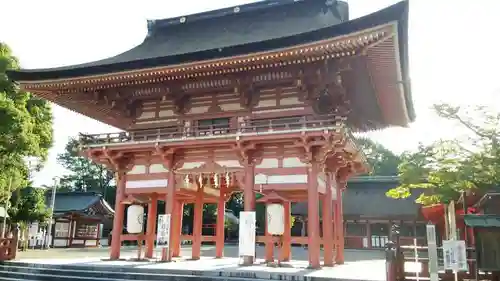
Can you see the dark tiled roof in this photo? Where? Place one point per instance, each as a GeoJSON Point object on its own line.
{"type": "Point", "coordinates": [482, 220]}
{"type": "Point", "coordinates": [264, 26]}
{"type": "Point", "coordinates": [365, 197]}
{"type": "Point", "coordinates": [215, 31]}
{"type": "Point", "coordinates": [76, 201]}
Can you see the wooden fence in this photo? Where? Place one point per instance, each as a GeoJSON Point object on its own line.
{"type": "Point", "coordinates": [412, 263]}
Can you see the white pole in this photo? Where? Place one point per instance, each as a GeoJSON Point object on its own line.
{"type": "Point", "coordinates": [417, 265]}
{"type": "Point", "coordinates": [51, 218]}
{"type": "Point", "coordinates": [6, 207]}
{"type": "Point", "coordinates": [432, 248]}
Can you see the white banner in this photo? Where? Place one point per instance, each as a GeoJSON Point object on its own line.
{"type": "Point", "coordinates": [163, 231]}
{"type": "Point", "coordinates": [247, 234]}
{"type": "Point", "coordinates": [455, 255]}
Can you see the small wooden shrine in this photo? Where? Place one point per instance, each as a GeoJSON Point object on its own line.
{"type": "Point", "coordinates": [79, 218]}
{"type": "Point", "coordinates": [234, 100]}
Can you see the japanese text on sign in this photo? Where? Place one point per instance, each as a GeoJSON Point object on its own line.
{"type": "Point", "coordinates": [163, 234]}
{"type": "Point", "coordinates": [455, 255]}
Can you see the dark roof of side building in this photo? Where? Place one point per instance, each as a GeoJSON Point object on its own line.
{"type": "Point", "coordinates": [365, 197]}
{"type": "Point", "coordinates": [77, 202]}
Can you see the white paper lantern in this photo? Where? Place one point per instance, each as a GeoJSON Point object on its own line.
{"type": "Point", "coordinates": [135, 219]}
{"type": "Point", "coordinates": [275, 219]}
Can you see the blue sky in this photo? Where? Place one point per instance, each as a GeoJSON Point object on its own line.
{"type": "Point", "coordinates": [452, 52]}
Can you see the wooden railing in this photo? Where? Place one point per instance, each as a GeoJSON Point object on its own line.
{"type": "Point", "coordinates": [8, 247]}
{"type": "Point", "coordinates": [278, 125]}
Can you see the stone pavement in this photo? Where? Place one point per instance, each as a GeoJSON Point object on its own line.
{"type": "Point", "coordinates": [298, 253]}
{"type": "Point", "coordinates": [360, 264]}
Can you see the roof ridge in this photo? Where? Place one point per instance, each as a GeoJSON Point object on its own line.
{"type": "Point", "coordinates": [154, 25]}
{"type": "Point", "coordinates": [75, 193]}
{"type": "Point", "coordinates": [374, 179]}
{"type": "Point", "coordinates": [259, 5]}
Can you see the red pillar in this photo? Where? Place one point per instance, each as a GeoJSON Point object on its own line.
{"type": "Point", "coordinates": [249, 199]}
{"type": "Point", "coordinates": [177, 231]}
{"type": "Point", "coordinates": [98, 236]}
{"type": "Point", "coordinates": [119, 216]}
{"type": "Point", "coordinates": [197, 224]}
{"type": "Point", "coordinates": [151, 226]}
{"type": "Point", "coordinates": [313, 217]}
{"type": "Point", "coordinates": [221, 211]}
{"type": "Point", "coordinates": [368, 235]}
{"type": "Point", "coordinates": [169, 209]}
{"type": "Point", "coordinates": [339, 259]}
{"type": "Point", "coordinates": [174, 227]}
{"type": "Point", "coordinates": [327, 223]}
{"type": "Point", "coordinates": [287, 236]}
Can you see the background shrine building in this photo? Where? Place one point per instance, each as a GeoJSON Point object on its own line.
{"type": "Point", "coordinates": [259, 98]}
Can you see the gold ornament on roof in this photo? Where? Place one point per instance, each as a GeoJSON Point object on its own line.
{"type": "Point", "coordinates": [216, 181]}
{"type": "Point", "coordinates": [200, 180]}
{"type": "Point", "coordinates": [227, 179]}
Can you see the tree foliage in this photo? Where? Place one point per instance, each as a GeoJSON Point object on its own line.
{"type": "Point", "coordinates": [382, 161]}
{"type": "Point", "coordinates": [25, 126]}
{"type": "Point", "coordinates": [28, 205]}
{"type": "Point", "coordinates": [85, 175]}
{"type": "Point", "coordinates": [447, 168]}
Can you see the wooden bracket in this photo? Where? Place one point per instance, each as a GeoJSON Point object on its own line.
{"type": "Point", "coordinates": [245, 152]}
{"type": "Point", "coordinates": [167, 154]}
{"type": "Point", "coordinates": [117, 160]}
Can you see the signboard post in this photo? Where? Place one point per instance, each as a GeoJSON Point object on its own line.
{"type": "Point", "coordinates": [246, 244]}
{"type": "Point", "coordinates": [455, 256]}
{"type": "Point", "coordinates": [163, 231]}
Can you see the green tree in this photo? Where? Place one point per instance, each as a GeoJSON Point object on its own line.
{"type": "Point", "coordinates": [25, 127]}
{"type": "Point", "coordinates": [85, 175]}
{"type": "Point", "coordinates": [382, 161]}
{"type": "Point", "coordinates": [28, 205]}
{"type": "Point", "coordinates": [235, 203]}
{"type": "Point", "coordinates": [447, 168]}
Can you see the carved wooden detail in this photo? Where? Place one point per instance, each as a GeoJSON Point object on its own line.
{"type": "Point", "coordinates": [181, 103]}
{"type": "Point", "coordinates": [247, 91]}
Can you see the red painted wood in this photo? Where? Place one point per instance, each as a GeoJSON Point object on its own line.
{"type": "Point", "coordinates": [119, 216]}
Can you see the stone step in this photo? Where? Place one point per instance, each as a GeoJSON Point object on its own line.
{"type": "Point", "coordinates": [59, 272]}
{"type": "Point", "coordinates": [46, 272]}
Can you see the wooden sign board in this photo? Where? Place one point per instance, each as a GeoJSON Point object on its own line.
{"type": "Point", "coordinates": [455, 255]}
{"type": "Point", "coordinates": [163, 231]}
